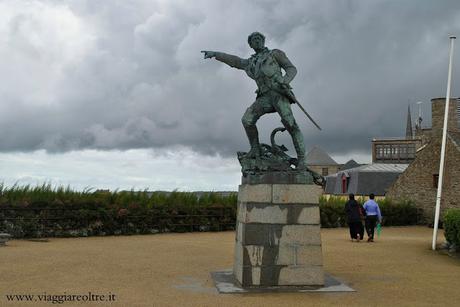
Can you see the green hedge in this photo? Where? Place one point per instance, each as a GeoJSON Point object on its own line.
{"type": "Point", "coordinates": [28, 212]}
{"type": "Point", "coordinates": [43, 211]}
{"type": "Point", "coordinates": [452, 226]}
{"type": "Point", "coordinates": [332, 212]}
{"type": "Point", "coordinates": [399, 213]}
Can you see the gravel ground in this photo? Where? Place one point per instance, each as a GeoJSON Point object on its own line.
{"type": "Point", "coordinates": [399, 269]}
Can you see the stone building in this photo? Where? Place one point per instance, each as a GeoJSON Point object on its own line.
{"type": "Point", "coordinates": [419, 181]}
{"type": "Point", "coordinates": [395, 150]}
{"type": "Point", "coordinates": [320, 162]}
{"type": "Point", "coordinates": [398, 149]}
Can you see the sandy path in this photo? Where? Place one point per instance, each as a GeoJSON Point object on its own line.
{"type": "Point", "coordinates": [173, 270]}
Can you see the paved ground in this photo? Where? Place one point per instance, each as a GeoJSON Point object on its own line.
{"type": "Point", "coordinates": [173, 270]}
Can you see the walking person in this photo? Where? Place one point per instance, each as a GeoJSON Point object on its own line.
{"type": "Point", "coordinates": [373, 216]}
{"type": "Point", "coordinates": [354, 213]}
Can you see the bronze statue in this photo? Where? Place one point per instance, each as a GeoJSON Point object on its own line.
{"type": "Point", "coordinates": [273, 94]}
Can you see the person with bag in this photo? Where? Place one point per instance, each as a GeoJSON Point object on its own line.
{"type": "Point", "coordinates": [354, 213]}
{"type": "Point", "coordinates": [373, 216]}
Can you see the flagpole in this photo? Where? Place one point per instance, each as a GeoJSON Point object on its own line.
{"type": "Point", "coordinates": [443, 147]}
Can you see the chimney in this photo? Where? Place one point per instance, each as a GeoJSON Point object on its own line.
{"type": "Point", "coordinates": [437, 115]}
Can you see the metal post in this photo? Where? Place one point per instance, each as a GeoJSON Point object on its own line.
{"type": "Point", "coordinates": [443, 147]}
{"type": "Point", "coordinates": [419, 119]}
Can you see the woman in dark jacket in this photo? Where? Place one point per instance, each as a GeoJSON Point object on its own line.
{"type": "Point", "coordinates": [354, 213]}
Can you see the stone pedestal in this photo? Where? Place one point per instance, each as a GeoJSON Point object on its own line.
{"type": "Point", "coordinates": [278, 241]}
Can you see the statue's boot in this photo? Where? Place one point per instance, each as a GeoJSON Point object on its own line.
{"type": "Point", "coordinates": [302, 166]}
{"type": "Point", "coordinates": [253, 136]}
{"type": "Point", "coordinates": [299, 146]}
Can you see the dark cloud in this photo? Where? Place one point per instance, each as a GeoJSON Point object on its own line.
{"type": "Point", "coordinates": [129, 74]}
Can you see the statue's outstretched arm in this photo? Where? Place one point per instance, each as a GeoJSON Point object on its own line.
{"type": "Point", "coordinates": [231, 60]}
{"type": "Point", "coordinates": [286, 64]}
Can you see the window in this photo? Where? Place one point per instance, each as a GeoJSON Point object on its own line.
{"type": "Point", "coordinates": [411, 151]}
{"type": "Point", "coordinates": [402, 152]}
{"type": "Point", "coordinates": [379, 151]}
{"type": "Point", "coordinates": [435, 180]}
{"type": "Point", "coordinates": [325, 171]}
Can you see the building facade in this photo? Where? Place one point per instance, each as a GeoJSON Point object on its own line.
{"type": "Point", "coordinates": [398, 149]}
{"type": "Point", "coordinates": [320, 162]}
{"type": "Point", "coordinates": [418, 182]}
{"type": "Point", "coordinates": [395, 150]}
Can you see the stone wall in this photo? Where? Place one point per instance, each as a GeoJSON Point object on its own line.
{"type": "Point", "coordinates": [437, 115]}
{"type": "Point", "coordinates": [416, 183]}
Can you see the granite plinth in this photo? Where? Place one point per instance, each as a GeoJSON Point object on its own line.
{"type": "Point", "coordinates": [278, 239]}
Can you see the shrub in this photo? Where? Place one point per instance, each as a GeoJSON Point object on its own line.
{"type": "Point", "coordinates": [42, 211]}
{"type": "Point", "coordinates": [332, 212]}
{"type": "Point", "coordinates": [401, 213]}
{"type": "Point", "coordinates": [452, 226]}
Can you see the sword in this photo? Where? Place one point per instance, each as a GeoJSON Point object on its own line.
{"type": "Point", "coordinates": [291, 96]}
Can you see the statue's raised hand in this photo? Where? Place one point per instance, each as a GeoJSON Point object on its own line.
{"type": "Point", "coordinates": [209, 54]}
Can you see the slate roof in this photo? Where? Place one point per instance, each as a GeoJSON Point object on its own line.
{"type": "Point", "coordinates": [317, 156]}
{"type": "Point", "coordinates": [373, 178]}
{"type": "Point", "coordinates": [350, 164]}
{"type": "Point", "coordinates": [381, 167]}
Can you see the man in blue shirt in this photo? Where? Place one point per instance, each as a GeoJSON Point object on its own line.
{"type": "Point", "coordinates": [372, 216]}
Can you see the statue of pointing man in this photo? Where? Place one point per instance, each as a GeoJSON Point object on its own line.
{"type": "Point", "coordinates": [273, 91]}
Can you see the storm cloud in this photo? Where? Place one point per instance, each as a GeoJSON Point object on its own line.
{"type": "Point", "coordinates": [119, 75]}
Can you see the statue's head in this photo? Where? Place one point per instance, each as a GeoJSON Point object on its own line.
{"type": "Point", "coordinates": [256, 40]}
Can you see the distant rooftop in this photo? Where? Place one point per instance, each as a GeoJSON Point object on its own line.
{"type": "Point", "coordinates": [350, 164]}
{"type": "Point", "coordinates": [394, 138]}
{"type": "Point", "coordinates": [317, 156]}
{"type": "Point", "coordinates": [380, 167]}
{"type": "Point", "coordinates": [373, 178]}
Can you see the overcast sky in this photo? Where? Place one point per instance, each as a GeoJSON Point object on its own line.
{"type": "Point", "coordinates": [116, 94]}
